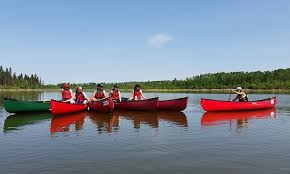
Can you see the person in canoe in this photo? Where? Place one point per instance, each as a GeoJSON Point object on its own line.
{"type": "Point", "coordinates": [241, 95]}
{"type": "Point", "coordinates": [80, 96]}
{"type": "Point", "coordinates": [67, 93]}
{"type": "Point", "coordinates": [137, 94]}
{"type": "Point", "coordinates": [99, 94]}
{"type": "Point", "coordinates": [115, 94]}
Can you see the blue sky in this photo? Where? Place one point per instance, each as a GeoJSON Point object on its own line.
{"type": "Point", "coordinates": [113, 41]}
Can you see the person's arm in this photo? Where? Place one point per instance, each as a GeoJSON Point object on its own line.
{"type": "Point", "coordinates": [110, 94]}
{"type": "Point", "coordinates": [120, 97]}
{"type": "Point", "coordinates": [142, 95]}
{"type": "Point", "coordinates": [235, 91]}
{"type": "Point", "coordinates": [105, 93]}
{"type": "Point", "coordinates": [93, 95]}
{"type": "Point", "coordinates": [132, 96]}
{"type": "Point", "coordinates": [72, 94]}
{"type": "Point", "coordinates": [61, 91]}
{"type": "Point", "coordinates": [86, 97]}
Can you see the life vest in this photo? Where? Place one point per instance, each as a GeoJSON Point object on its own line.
{"type": "Point", "coordinates": [66, 94]}
{"type": "Point", "coordinates": [137, 95]}
{"type": "Point", "coordinates": [115, 95]}
{"type": "Point", "coordinates": [80, 98]}
{"type": "Point", "coordinates": [100, 95]}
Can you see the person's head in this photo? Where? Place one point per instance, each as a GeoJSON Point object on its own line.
{"type": "Point", "coordinates": [100, 86]}
{"type": "Point", "coordinates": [79, 89]}
{"type": "Point", "coordinates": [66, 86]}
{"type": "Point", "coordinates": [115, 87]}
{"type": "Point", "coordinates": [137, 87]}
{"type": "Point", "coordinates": [239, 89]}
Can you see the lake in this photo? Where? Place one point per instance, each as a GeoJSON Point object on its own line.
{"type": "Point", "coordinates": [140, 142]}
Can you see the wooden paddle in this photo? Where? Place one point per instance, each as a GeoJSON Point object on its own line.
{"type": "Point", "coordinates": [230, 95]}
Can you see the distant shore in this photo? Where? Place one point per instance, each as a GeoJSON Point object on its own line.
{"type": "Point", "coordinates": [258, 91]}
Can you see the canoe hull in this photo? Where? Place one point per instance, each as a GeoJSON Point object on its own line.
{"type": "Point", "coordinates": [217, 105]}
{"type": "Point", "coordinates": [179, 104]}
{"type": "Point", "coordinates": [104, 106]}
{"type": "Point", "coordinates": [18, 106]}
{"type": "Point", "coordinates": [141, 105]}
{"type": "Point", "coordinates": [58, 108]}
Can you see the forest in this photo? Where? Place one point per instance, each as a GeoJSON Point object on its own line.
{"type": "Point", "coordinates": [268, 80]}
{"type": "Point", "coordinates": [277, 79]}
{"type": "Point", "coordinates": [9, 79]}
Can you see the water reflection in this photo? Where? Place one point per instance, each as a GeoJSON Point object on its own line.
{"type": "Point", "coordinates": [177, 118]}
{"type": "Point", "coordinates": [152, 119]}
{"type": "Point", "coordinates": [138, 118]}
{"type": "Point", "coordinates": [105, 122]}
{"type": "Point", "coordinates": [240, 118]}
{"type": "Point", "coordinates": [111, 122]}
{"type": "Point", "coordinates": [63, 123]}
{"type": "Point", "coordinates": [14, 122]}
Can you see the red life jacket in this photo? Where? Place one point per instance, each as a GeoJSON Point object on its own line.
{"type": "Point", "coordinates": [100, 95]}
{"type": "Point", "coordinates": [66, 94]}
{"type": "Point", "coordinates": [137, 95]}
{"type": "Point", "coordinates": [80, 97]}
{"type": "Point", "coordinates": [115, 95]}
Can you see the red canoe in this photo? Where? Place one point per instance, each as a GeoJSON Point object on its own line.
{"type": "Point", "coordinates": [105, 105]}
{"type": "Point", "coordinates": [216, 118]}
{"type": "Point", "coordinates": [141, 105]}
{"type": "Point", "coordinates": [218, 105]}
{"type": "Point", "coordinates": [58, 107]}
{"type": "Point", "coordinates": [173, 105]}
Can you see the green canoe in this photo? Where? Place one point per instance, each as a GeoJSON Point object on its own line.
{"type": "Point", "coordinates": [15, 106]}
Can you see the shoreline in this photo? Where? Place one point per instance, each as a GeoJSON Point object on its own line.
{"type": "Point", "coordinates": [258, 91]}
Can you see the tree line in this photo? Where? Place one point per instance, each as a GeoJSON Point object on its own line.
{"type": "Point", "coordinates": [9, 79]}
{"type": "Point", "coordinates": [277, 79]}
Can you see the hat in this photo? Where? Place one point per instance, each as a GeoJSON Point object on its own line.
{"type": "Point", "coordinates": [239, 88]}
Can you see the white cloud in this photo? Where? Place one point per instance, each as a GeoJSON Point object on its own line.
{"type": "Point", "coordinates": [159, 40]}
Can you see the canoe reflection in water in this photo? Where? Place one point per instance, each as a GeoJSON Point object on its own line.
{"type": "Point", "coordinates": [241, 118]}
{"type": "Point", "coordinates": [105, 122]}
{"type": "Point", "coordinates": [139, 117]}
{"type": "Point", "coordinates": [111, 122]}
{"type": "Point", "coordinates": [62, 123]}
{"type": "Point", "coordinates": [177, 118]}
{"type": "Point", "coordinates": [152, 118]}
{"type": "Point", "coordinates": [14, 122]}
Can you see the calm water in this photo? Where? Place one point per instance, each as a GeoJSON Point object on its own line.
{"type": "Point", "coordinates": [138, 142]}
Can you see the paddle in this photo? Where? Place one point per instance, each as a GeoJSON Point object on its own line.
{"type": "Point", "coordinates": [230, 95]}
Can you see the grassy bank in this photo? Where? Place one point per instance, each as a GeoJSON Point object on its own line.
{"type": "Point", "coordinates": [258, 91]}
